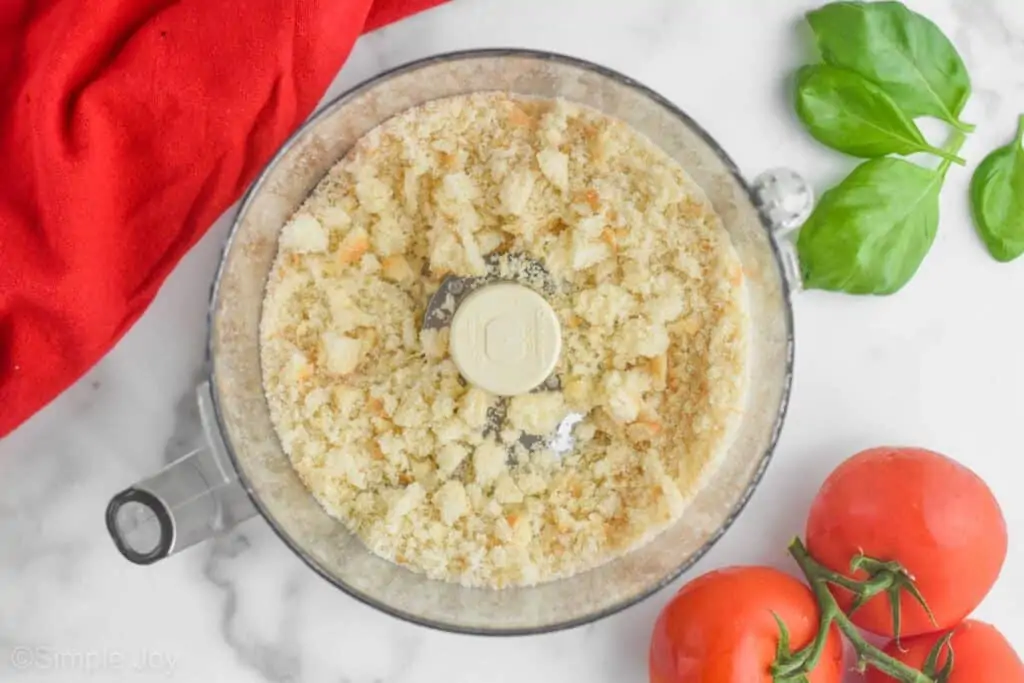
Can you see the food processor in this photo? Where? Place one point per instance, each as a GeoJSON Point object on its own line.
{"type": "Point", "coordinates": [242, 471]}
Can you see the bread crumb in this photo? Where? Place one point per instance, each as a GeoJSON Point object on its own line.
{"type": "Point", "coordinates": [537, 413]}
{"type": "Point", "coordinates": [532, 484]}
{"type": "Point", "coordinates": [304, 234]}
{"type": "Point", "coordinates": [587, 253]}
{"type": "Point", "coordinates": [474, 406]}
{"type": "Point", "coordinates": [623, 392]}
{"type": "Point", "coordinates": [450, 456]}
{"type": "Point", "coordinates": [389, 237]}
{"type": "Point", "coordinates": [343, 353]}
{"type": "Point", "coordinates": [555, 167]}
{"type": "Point", "coordinates": [605, 306]}
{"type": "Point", "coordinates": [505, 490]}
{"type": "Point", "coordinates": [443, 477]}
{"type": "Point", "coordinates": [489, 461]}
{"type": "Point", "coordinates": [336, 218]}
{"type": "Point", "coordinates": [435, 343]}
{"type": "Point", "coordinates": [407, 502]}
{"type": "Point", "coordinates": [397, 269]}
{"type": "Point", "coordinates": [373, 194]}
{"type": "Point", "coordinates": [355, 244]}
{"type": "Point", "coordinates": [451, 501]}
{"type": "Point", "coordinates": [516, 190]}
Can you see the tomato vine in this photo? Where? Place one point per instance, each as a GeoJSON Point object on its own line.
{"type": "Point", "coordinates": [889, 578]}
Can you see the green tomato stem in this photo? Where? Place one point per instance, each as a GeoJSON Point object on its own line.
{"type": "Point", "coordinates": [804, 661]}
{"type": "Point", "coordinates": [1020, 130]}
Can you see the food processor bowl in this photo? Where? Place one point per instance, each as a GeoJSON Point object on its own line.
{"type": "Point", "coordinates": [243, 469]}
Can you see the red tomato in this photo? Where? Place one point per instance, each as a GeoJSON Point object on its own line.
{"type": "Point", "coordinates": [922, 509]}
{"type": "Point", "coordinates": [980, 655]}
{"type": "Point", "coordinates": [719, 629]}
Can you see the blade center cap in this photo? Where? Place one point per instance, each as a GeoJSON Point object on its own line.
{"type": "Point", "coordinates": [505, 339]}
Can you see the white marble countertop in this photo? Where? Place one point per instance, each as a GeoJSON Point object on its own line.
{"type": "Point", "coordinates": [941, 365]}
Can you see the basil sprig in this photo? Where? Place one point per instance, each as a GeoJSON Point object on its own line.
{"type": "Point", "coordinates": [901, 51]}
{"type": "Point", "coordinates": [997, 199]}
{"type": "Point", "coordinates": [888, 210]}
{"type": "Point", "coordinates": [884, 66]}
{"type": "Point", "coordinates": [847, 112]}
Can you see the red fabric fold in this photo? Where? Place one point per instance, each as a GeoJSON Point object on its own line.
{"type": "Point", "coordinates": [126, 128]}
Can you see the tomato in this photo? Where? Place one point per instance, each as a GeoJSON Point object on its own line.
{"type": "Point", "coordinates": [719, 628]}
{"type": "Point", "coordinates": [980, 655]}
{"type": "Point", "coordinates": [931, 514]}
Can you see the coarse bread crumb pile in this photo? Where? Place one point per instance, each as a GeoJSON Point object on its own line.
{"type": "Point", "coordinates": [372, 411]}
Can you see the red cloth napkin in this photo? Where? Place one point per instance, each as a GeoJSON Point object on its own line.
{"type": "Point", "coordinates": [126, 128]}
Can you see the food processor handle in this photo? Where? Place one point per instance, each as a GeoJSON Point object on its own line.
{"type": "Point", "coordinates": [785, 200]}
{"type": "Point", "coordinates": [196, 496]}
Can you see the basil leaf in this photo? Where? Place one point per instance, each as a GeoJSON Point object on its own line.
{"type": "Point", "coordinates": [847, 112]}
{"type": "Point", "coordinates": [901, 51]}
{"type": "Point", "coordinates": [997, 199]}
{"type": "Point", "coordinates": [870, 233]}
